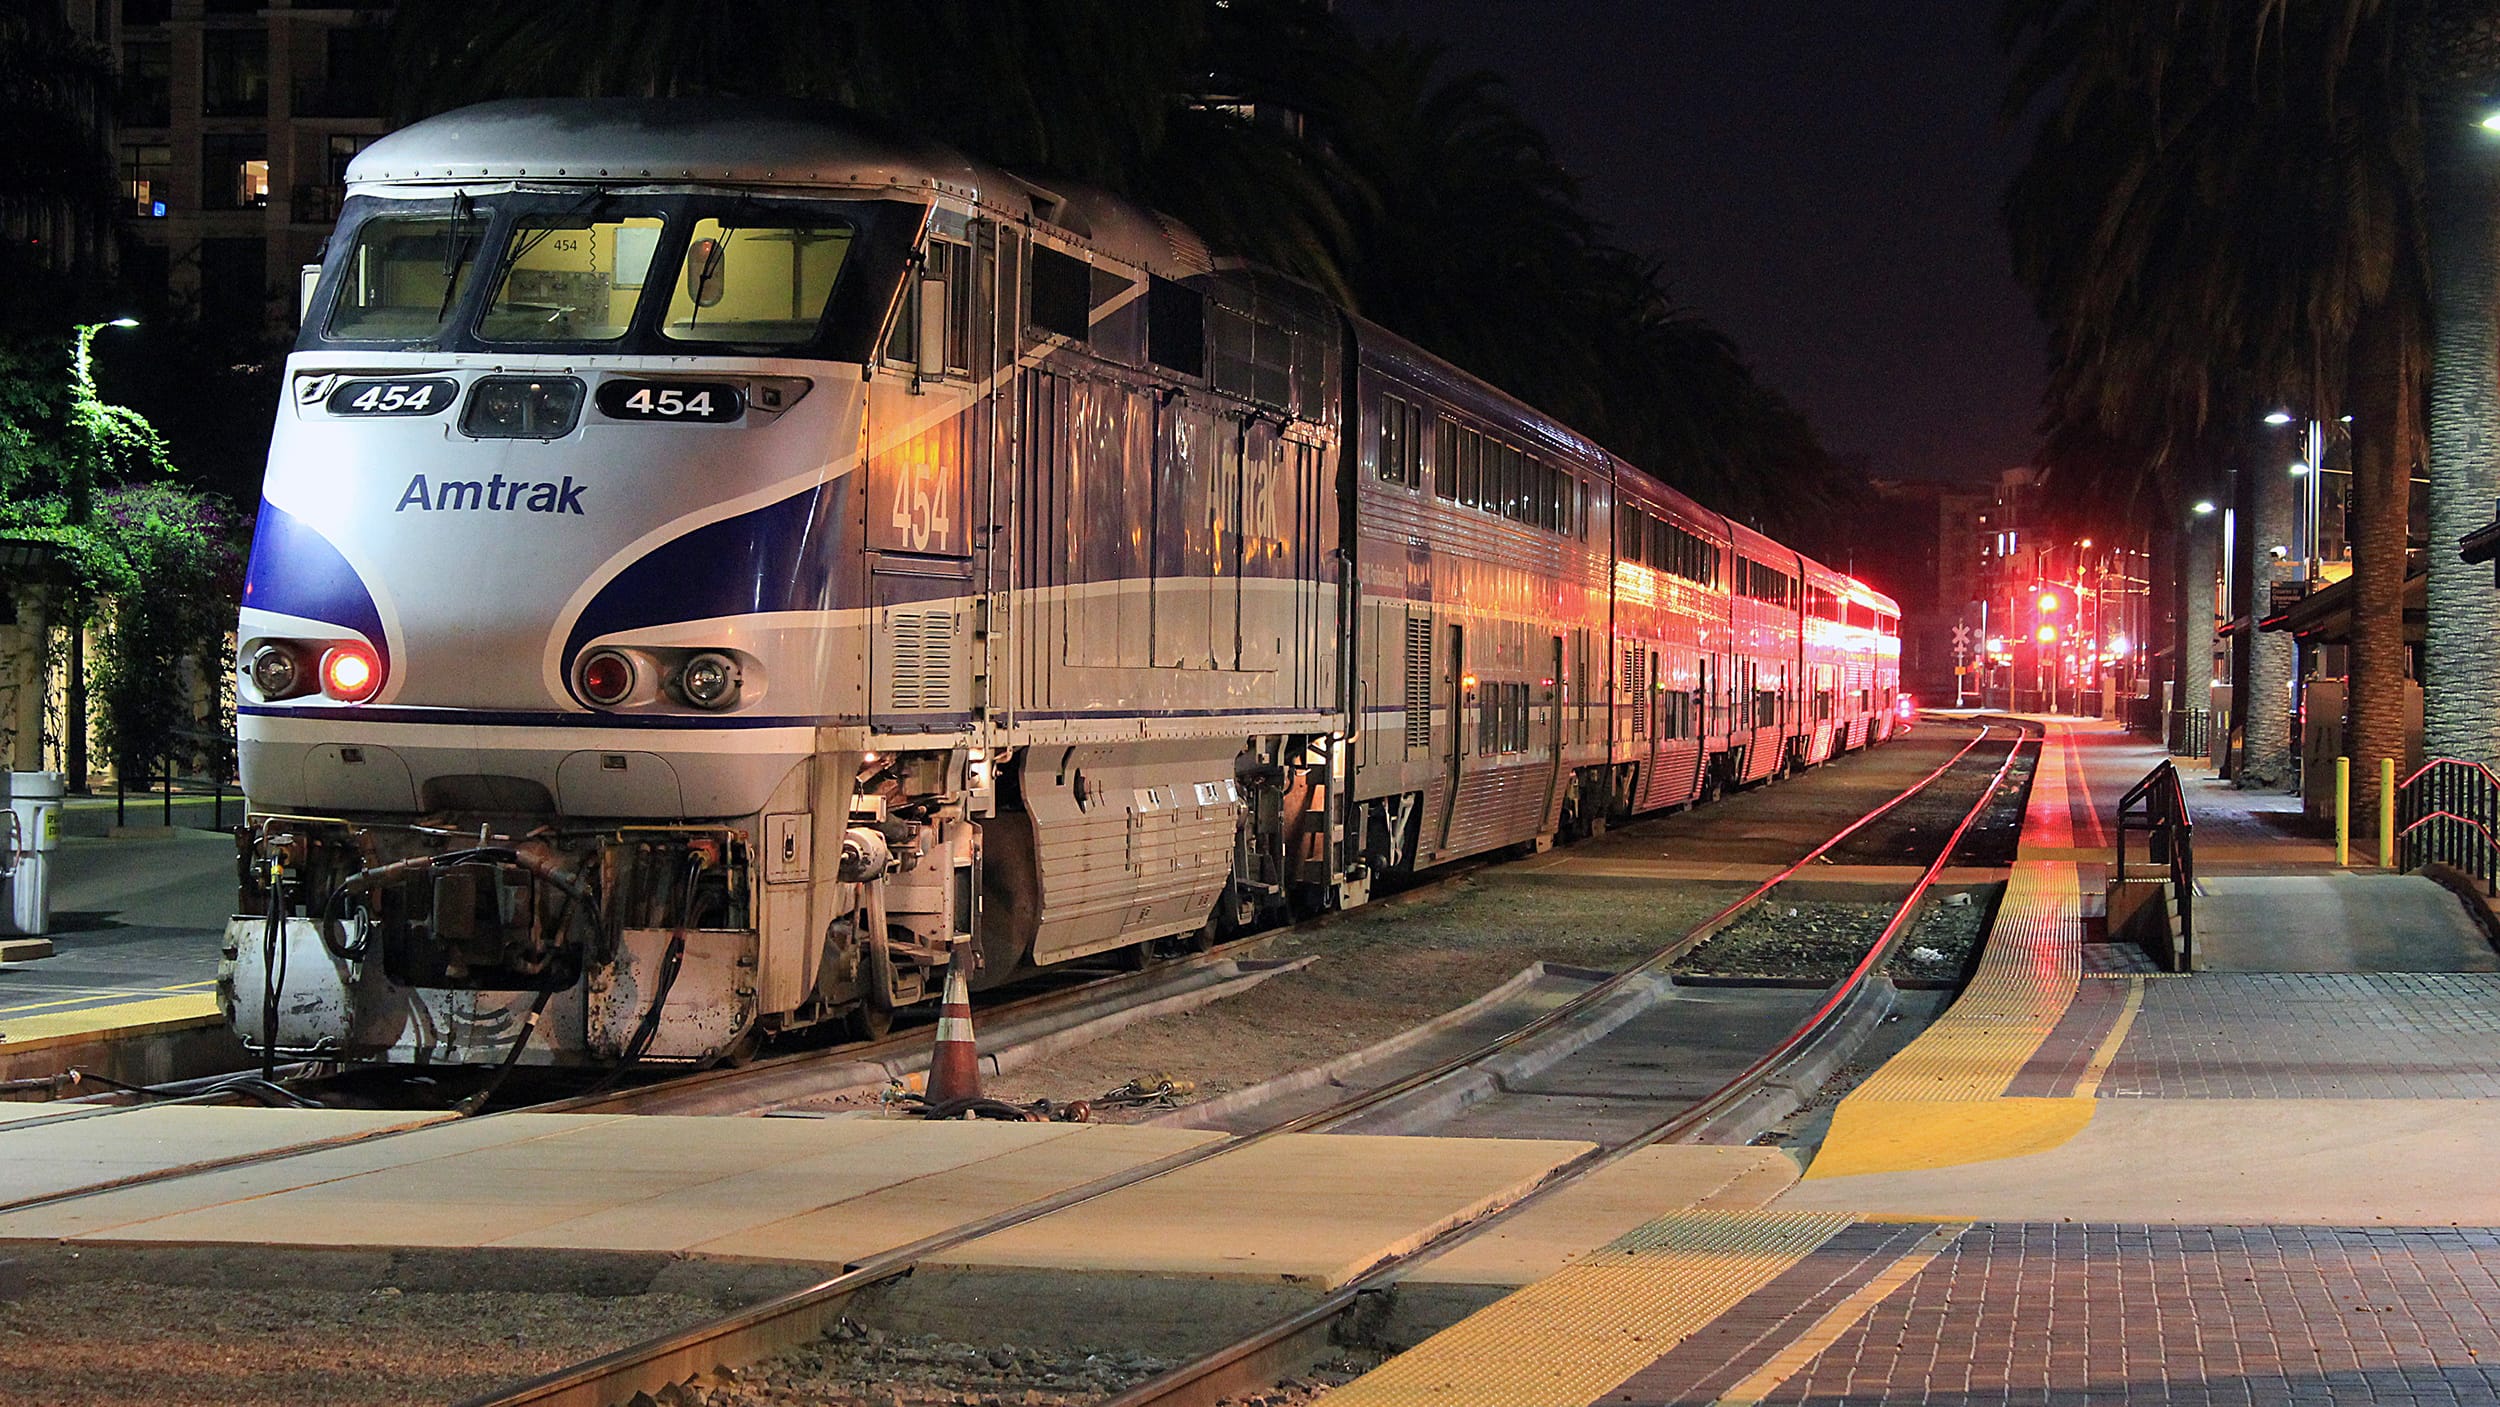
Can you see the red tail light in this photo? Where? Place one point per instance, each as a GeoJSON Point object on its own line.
{"type": "Point", "coordinates": [350, 673]}
{"type": "Point", "coordinates": [1905, 706]}
{"type": "Point", "coordinates": [607, 677]}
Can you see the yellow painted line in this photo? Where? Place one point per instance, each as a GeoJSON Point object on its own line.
{"type": "Point", "coordinates": [1842, 1318]}
{"type": "Point", "coordinates": [1566, 1339]}
{"type": "Point", "coordinates": [32, 1033]}
{"type": "Point", "coordinates": [2089, 1086]}
{"type": "Point", "coordinates": [103, 993]}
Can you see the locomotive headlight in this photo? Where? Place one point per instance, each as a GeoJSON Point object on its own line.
{"type": "Point", "coordinates": [709, 680]}
{"type": "Point", "coordinates": [607, 677]}
{"type": "Point", "coordinates": [274, 671]}
{"type": "Point", "coordinates": [350, 673]}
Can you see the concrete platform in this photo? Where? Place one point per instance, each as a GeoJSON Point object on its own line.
{"type": "Point", "coordinates": [2335, 922]}
{"type": "Point", "coordinates": [1305, 1209]}
{"type": "Point", "coordinates": [61, 1149]}
{"type": "Point", "coordinates": [129, 989]}
{"type": "Point", "coordinates": [1309, 1210]}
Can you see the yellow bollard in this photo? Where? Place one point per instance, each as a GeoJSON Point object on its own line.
{"type": "Point", "coordinates": [2387, 813]}
{"type": "Point", "coordinates": [2343, 812]}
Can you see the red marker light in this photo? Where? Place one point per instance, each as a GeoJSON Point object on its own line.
{"type": "Point", "coordinates": [2047, 635]}
{"type": "Point", "coordinates": [2048, 603]}
{"type": "Point", "coordinates": [350, 673]}
{"type": "Point", "coordinates": [607, 677]}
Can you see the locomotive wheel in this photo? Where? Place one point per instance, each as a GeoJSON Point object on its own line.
{"type": "Point", "coordinates": [867, 1023]}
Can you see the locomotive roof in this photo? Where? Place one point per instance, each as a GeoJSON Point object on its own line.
{"type": "Point", "coordinates": [750, 143]}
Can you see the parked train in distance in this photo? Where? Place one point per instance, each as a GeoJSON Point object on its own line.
{"type": "Point", "coordinates": [715, 557]}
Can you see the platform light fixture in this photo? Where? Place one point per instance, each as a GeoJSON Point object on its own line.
{"type": "Point", "coordinates": [2204, 507]}
{"type": "Point", "coordinates": [2278, 417]}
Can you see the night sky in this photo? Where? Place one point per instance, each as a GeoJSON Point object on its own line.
{"type": "Point", "coordinates": [1819, 178]}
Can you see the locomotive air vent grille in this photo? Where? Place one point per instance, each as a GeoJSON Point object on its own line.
{"type": "Point", "coordinates": [921, 649]}
{"type": "Point", "coordinates": [1632, 690]}
{"type": "Point", "coordinates": [1418, 681]}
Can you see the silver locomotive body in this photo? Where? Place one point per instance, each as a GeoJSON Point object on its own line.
{"type": "Point", "coordinates": [709, 565]}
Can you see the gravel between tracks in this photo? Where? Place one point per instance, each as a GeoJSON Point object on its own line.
{"type": "Point", "coordinates": [1380, 972]}
{"type": "Point", "coordinates": [118, 1342]}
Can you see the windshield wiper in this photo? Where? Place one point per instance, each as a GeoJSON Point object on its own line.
{"type": "Point", "coordinates": [458, 249]}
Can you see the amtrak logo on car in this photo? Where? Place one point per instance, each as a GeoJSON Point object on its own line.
{"type": "Point", "coordinates": [495, 495]}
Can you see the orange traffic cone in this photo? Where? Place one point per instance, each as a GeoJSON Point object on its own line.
{"type": "Point", "coordinates": [955, 1065]}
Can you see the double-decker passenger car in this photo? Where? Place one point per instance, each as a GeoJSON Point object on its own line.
{"type": "Point", "coordinates": [715, 561]}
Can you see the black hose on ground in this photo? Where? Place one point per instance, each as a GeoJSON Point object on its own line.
{"type": "Point", "coordinates": [512, 1057]}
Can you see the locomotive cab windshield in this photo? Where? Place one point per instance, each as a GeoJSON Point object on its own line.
{"type": "Point", "coordinates": [546, 270]}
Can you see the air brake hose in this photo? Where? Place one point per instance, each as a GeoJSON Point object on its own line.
{"type": "Point", "coordinates": [272, 972]}
{"type": "Point", "coordinates": [512, 1057]}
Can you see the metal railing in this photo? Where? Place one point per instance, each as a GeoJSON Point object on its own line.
{"type": "Point", "coordinates": [2192, 732]}
{"type": "Point", "coordinates": [216, 778]}
{"type": "Point", "coordinates": [2169, 839]}
{"type": "Point", "coordinates": [2448, 813]}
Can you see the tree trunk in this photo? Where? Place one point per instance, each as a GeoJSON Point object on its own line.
{"type": "Point", "coordinates": [2199, 579]}
{"type": "Point", "coordinates": [2385, 443]}
{"type": "Point", "coordinates": [2273, 523]}
{"type": "Point", "coordinates": [2461, 688]}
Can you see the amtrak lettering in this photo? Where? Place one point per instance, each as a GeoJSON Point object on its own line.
{"type": "Point", "coordinates": [497, 494]}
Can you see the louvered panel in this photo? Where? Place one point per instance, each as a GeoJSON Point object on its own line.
{"type": "Point", "coordinates": [1419, 682]}
{"type": "Point", "coordinates": [1633, 691]}
{"type": "Point", "coordinates": [920, 654]}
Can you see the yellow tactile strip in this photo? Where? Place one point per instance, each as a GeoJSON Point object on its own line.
{"type": "Point", "coordinates": [1942, 1101]}
{"type": "Point", "coordinates": [2026, 976]}
{"type": "Point", "coordinates": [1567, 1338]}
{"type": "Point", "coordinates": [2026, 980]}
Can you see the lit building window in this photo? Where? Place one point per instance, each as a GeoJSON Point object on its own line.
{"type": "Point", "coordinates": [251, 182]}
{"type": "Point", "coordinates": [144, 167]}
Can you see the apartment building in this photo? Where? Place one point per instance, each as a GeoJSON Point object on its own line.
{"type": "Point", "coordinates": [236, 124]}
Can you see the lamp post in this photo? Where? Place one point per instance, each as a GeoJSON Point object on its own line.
{"type": "Point", "coordinates": [82, 512]}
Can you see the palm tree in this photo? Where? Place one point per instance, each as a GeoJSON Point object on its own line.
{"type": "Point", "coordinates": [2455, 61]}
{"type": "Point", "coordinates": [2219, 201]}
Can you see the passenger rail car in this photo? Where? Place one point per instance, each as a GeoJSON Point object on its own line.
{"type": "Point", "coordinates": [715, 560]}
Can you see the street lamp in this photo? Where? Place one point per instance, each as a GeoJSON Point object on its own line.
{"type": "Point", "coordinates": [82, 512]}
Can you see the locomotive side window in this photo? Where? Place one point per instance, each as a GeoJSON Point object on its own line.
{"type": "Point", "coordinates": [571, 280]}
{"type": "Point", "coordinates": [755, 283]}
{"type": "Point", "coordinates": [405, 277]}
{"type": "Point", "coordinates": [1062, 294]}
{"type": "Point", "coordinates": [1176, 327]}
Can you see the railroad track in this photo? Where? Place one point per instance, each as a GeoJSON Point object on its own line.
{"type": "Point", "coordinates": [788, 1321]}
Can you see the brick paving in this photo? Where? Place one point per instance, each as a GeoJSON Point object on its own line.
{"type": "Point", "coordinates": [1740, 1341]}
{"type": "Point", "coordinates": [2432, 1035]}
{"type": "Point", "coordinates": [2053, 1069]}
{"type": "Point", "coordinates": [2055, 1314]}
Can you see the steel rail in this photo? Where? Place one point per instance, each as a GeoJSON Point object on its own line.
{"type": "Point", "coordinates": [1260, 1357]}
{"type": "Point", "coordinates": [798, 1317]}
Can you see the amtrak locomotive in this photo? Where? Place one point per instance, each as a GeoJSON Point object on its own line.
{"type": "Point", "coordinates": [717, 559]}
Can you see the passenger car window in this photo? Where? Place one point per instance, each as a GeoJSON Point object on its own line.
{"type": "Point", "coordinates": [404, 277]}
{"type": "Point", "coordinates": [566, 280]}
{"type": "Point", "coordinates": [755, 283]}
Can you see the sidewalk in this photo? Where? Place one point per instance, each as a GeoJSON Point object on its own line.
{"type": "Point", "coordinates": [2246, 1186]}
